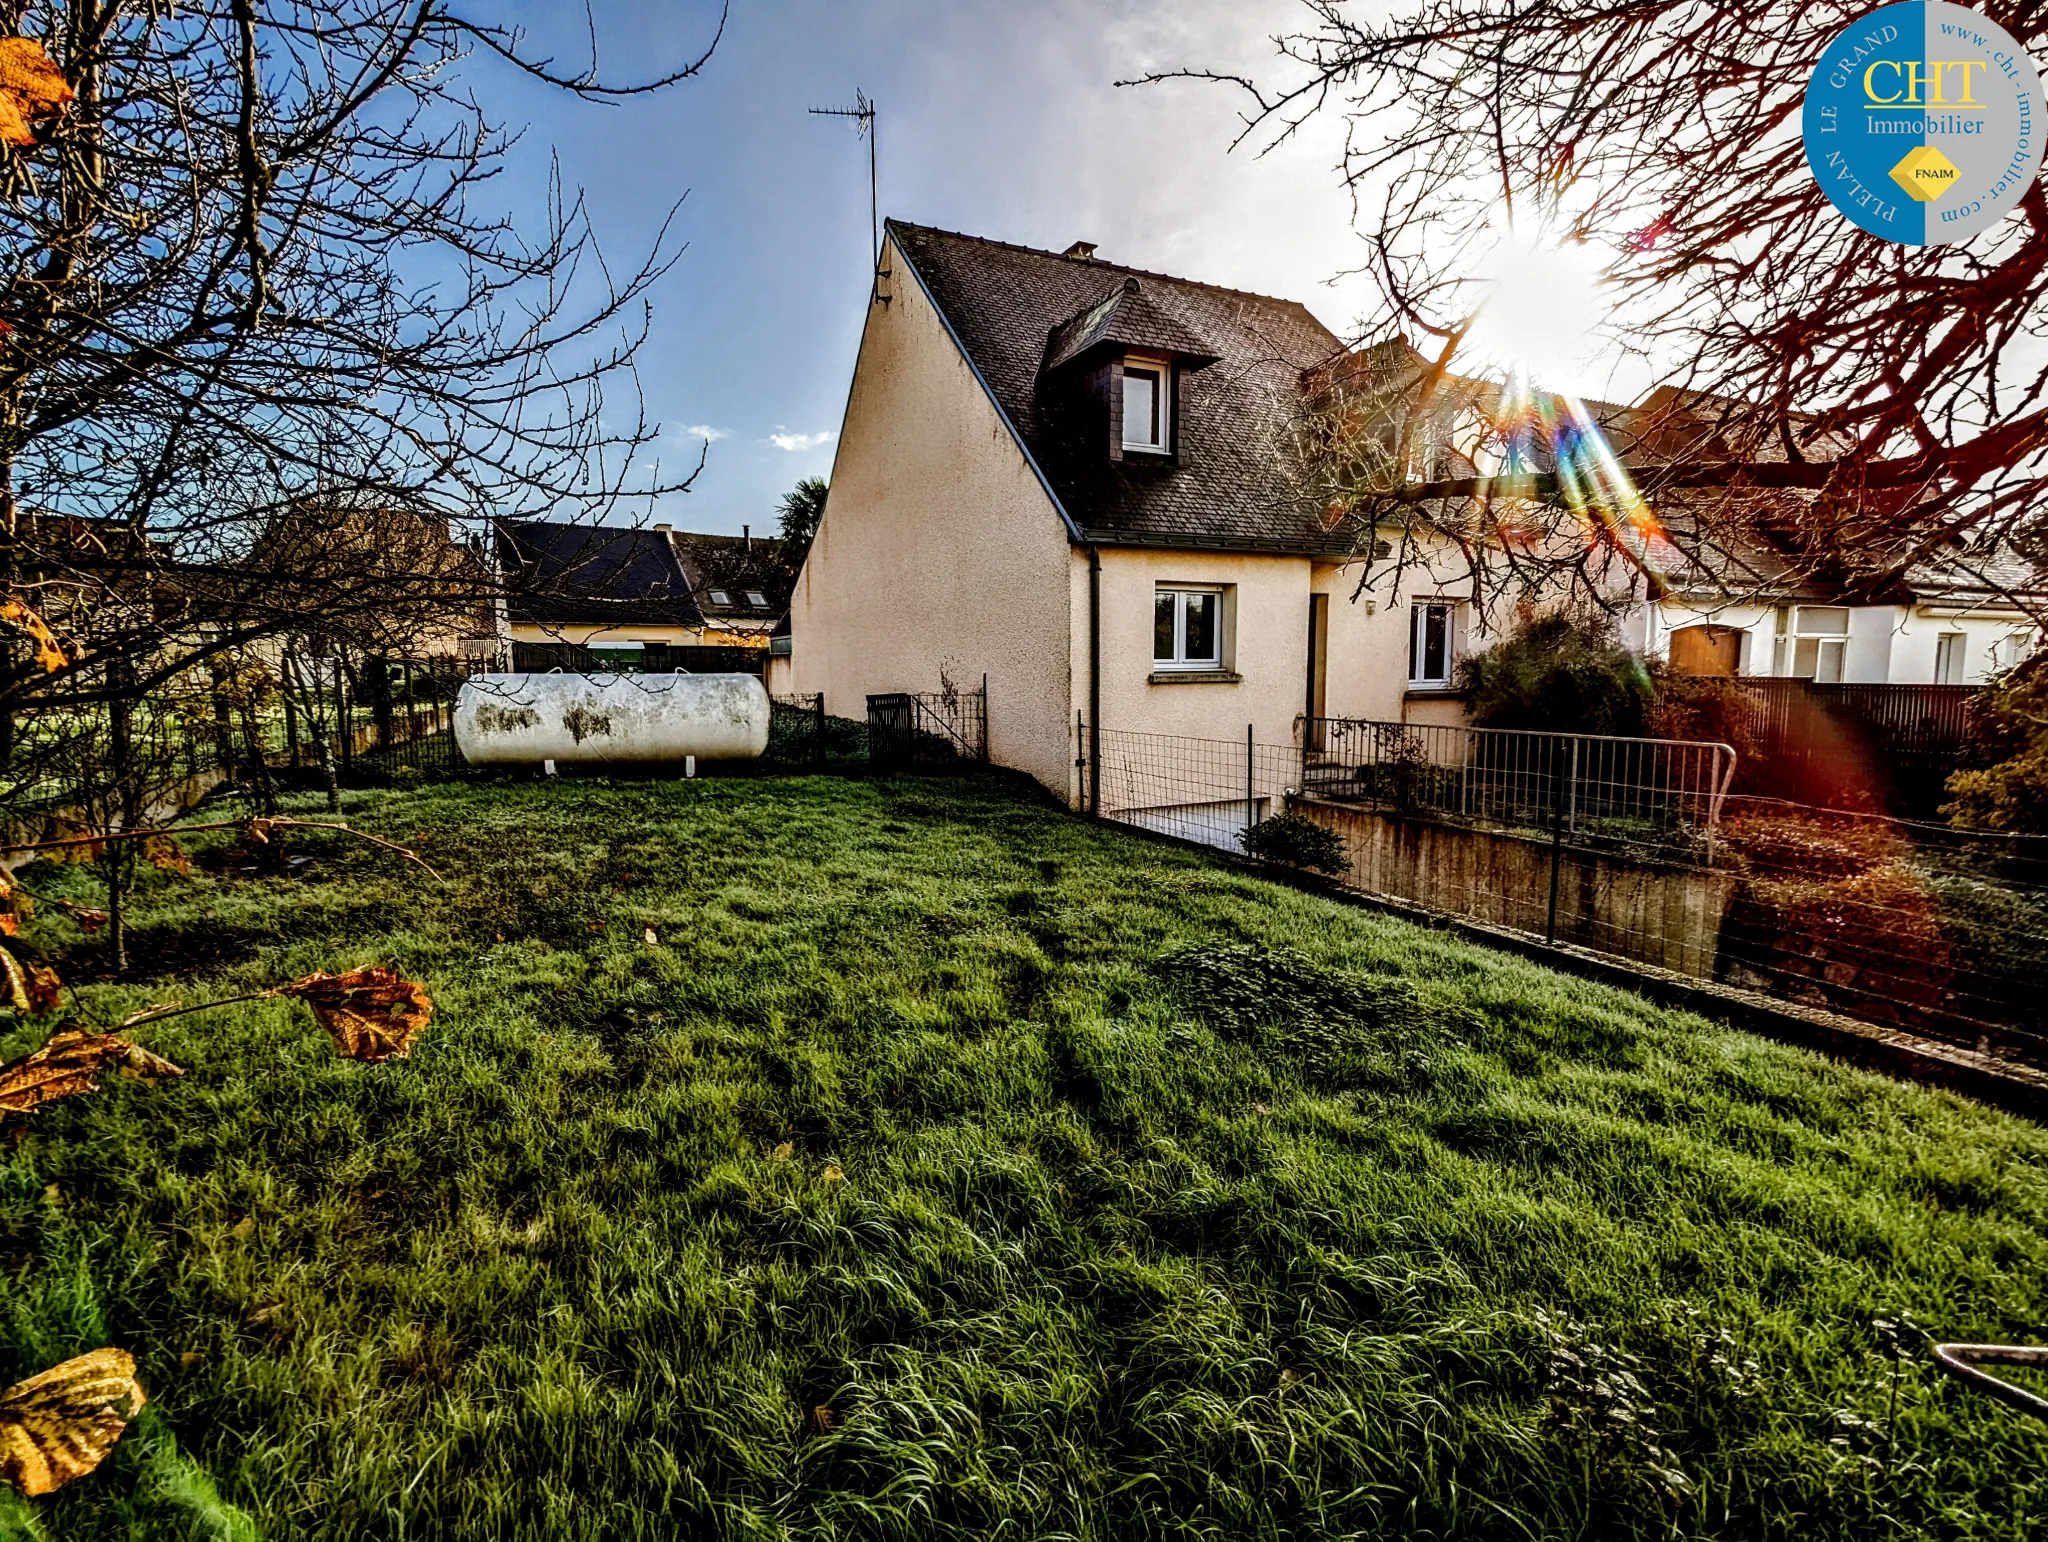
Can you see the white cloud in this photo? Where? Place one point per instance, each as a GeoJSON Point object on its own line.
{"type": "Point", "coordinates": [788, 441]}
{"type": "Point", "coordinates": [706, 432]}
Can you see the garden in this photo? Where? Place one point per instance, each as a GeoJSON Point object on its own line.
{"type": "Point", "coordinates": [808, 1157]}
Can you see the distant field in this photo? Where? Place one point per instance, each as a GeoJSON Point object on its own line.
{"type": "Point", "coordinates": [1170, 1203]}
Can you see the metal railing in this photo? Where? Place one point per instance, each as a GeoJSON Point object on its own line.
{"type": "Point", "coordinates": [1586, 789]}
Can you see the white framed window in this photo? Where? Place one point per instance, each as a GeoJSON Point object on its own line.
{"type": "Point", "coordinates": [1147, 409]}
{"type": "Point", "coordinates": [757, 599]}
{"type": "Point", "coordinates": [1948, 658]}
{"type": "Point", "coordinates": [1820, 642]}
{"type": "Point", "coordinates": [720, 597]}
{"type": "Point", "coordinates": [1187, 629]}
{"type": "Point", "coordinates": [1432, 643]}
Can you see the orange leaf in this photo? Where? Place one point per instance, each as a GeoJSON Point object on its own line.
{"type": "Point", "coordinates": [61, 1425]}
{"type": "Point", "coordinates": [89, 920]}
{"type": "Point", "coordinates": [371, 1013]}
{"type": "Point", "coordinates": [50, 654]}
{"type": "Point", "coordinates": [31, 87]}
{"type": "Point", "coordinates": [66, 1066]}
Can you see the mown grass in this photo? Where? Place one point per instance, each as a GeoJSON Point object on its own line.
{"type": "Point", "coordinates": [1176, 1203]}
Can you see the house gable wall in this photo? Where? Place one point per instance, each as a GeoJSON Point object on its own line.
{"type": "Point", "coordinates": [940, 552]}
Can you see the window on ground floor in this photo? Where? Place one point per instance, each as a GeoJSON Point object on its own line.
{"type": "Point", "coordinates": [1948, 658]}
{"type": "Point", "coordinates": [1432, 643]}
{"type": "Point", "coordinates": [1816, 645]}
{"type": "Point", "coordinates": [1187, 628]}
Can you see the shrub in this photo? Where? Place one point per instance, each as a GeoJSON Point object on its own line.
{"type": "Point", "coordinates": [1560, 673]}
{"type": "Point", "coordinates": [1296, 840]}
{"type": "Point", "coordinates": [2007, 748]}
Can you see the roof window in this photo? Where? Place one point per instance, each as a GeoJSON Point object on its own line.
{"type": "Point", "coordinates": [720, 597]}
{"type": "Point", "coordinates": [757, 599]}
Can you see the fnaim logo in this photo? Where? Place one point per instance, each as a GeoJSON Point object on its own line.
{"type": "Point", "coordinates": [1923, 122]}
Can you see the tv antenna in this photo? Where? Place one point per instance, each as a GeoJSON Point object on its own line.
{"type": "Point", "coordinates": [863, 114]}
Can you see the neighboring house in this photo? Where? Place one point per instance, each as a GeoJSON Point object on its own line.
{"type": "Point", "coordinates": [1076, 479]}
{"type": "Point", "coordinates": [1086, 483]}
{"type": "Point", "coordinates": [1949, 622]}
{"type": "Point", "coordinates": [636, 598]}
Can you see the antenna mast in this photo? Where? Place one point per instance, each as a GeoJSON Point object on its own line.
{"type": "Point", "coordinates": [863, 114]}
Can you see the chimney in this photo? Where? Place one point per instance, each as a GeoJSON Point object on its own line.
{"type": "Point", "coordinates": [663, 529]}
{"type": "Point", "coordinates": [1083, 250]}
{"type": "Point", "coordinates": [747, 535]}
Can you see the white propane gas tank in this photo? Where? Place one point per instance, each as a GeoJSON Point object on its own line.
{"type": "Point", "coordinates": [523, 720]}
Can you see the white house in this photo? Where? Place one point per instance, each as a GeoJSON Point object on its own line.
{"type": "Point", "coordinates": [1084, 482]}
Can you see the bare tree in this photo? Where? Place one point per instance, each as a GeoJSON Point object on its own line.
{"type": "Point", "coordinates": [249, 260]}
{"type": "Point", "coordinates": [1864, 406]}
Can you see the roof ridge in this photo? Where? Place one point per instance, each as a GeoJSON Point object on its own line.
{"type": "Point", "coordinates": [1099, 265]}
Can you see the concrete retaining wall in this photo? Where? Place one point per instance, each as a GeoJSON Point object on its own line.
{"type": "Point", "coordinates": [1656, 913]}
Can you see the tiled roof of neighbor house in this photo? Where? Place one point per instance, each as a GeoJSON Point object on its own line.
{"type": "Point", "coordinates": [583, 574]}
{"type": "Point", "coordinates": [1231, 486]}
{"type": "Point", "coordinates": [737, 567]}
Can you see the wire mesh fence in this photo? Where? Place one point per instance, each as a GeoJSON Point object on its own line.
{"type": "Point", "coordinates": [1637, 850]}
{"type": "Point", "coordinates": [928, 728]}
{"type": "Point", "coordinates": [1209, 791]}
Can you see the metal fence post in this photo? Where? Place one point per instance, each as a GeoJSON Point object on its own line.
{"type": "Point", "coordinates": [818, 731]}
{"type": "Point", "coordinates": [1556, 839]}
{"type": "Point", "coordinates": [1251, 808]}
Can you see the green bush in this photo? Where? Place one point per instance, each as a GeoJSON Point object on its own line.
{"type": "Point", "coordinates": [1561, 674]}
{"type": "Point", "coordinates": [2006, 787]}
{"type": "Point", "coordinates": [1297, 841]}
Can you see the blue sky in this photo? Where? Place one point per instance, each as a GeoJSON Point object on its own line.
{"type": "Point", "coordinates": [998, 117]}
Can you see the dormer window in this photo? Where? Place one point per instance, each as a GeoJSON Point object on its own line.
{"type": "Point", "coordinates": [1146, 409]}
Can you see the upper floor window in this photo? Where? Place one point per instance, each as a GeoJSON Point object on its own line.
{"type": "Point", "coordinates": [1146, 408]}
{"type": "Point", "coordinates": [1432, 642]}
{"type": "Point", "coordinates": [1187, 629]}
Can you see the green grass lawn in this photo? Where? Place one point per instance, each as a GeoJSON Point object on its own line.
{"type": "Point", "coordinates": [1175, 1202]}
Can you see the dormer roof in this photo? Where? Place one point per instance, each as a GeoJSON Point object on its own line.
{"type": "Point", "coordinates": [1128, 320]}
{"type": "Point", "coordinates": [1231, 483]}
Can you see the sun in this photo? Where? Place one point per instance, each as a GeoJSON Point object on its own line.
{"type": "Point", "coordinates": [1539, 320]}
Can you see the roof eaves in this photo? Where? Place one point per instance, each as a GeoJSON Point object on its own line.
{"type": "Point", "coordinates": [1251, 545]}
{"type": "Point", "coordinates": [1016, 438]}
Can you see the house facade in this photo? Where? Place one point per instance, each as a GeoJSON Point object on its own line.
{"type": "Point", "coordinates": [1084, 483]}
{"type": "Point", "coordinates": [1075, 479]}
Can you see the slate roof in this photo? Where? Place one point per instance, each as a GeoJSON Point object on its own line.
{"type": "Point", "coordinates": [734, 566]}
{"type": "Point", "coordinates": [1231, 486]}
{"type": "Point", "coordinates": [563, 574]}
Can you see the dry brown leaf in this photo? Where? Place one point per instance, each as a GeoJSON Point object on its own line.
{"type": "Point", "coordinates": [61, 1425]}
{"type": "Point", "coordinates": [165, 854]}
{"type": "Point", "coordinates": [833, 1174]}
{"type": "Point", "coordinates": [15, 978]}
{"type": "Point", "coordinates": [66, 1066]}
{"type": "Point", "coordinates": [50, 654]}
{"type": "Point", "coordinates": [31, 88]}
{"type": "Point", "coordinates": [652, 940]}
{"type": "Point", "coordinates": [45, 991]}
{"type": "Point", "coordinates": [371, 1012]}
{"type": "Point", "coordinates": [783, 1152]}
{"type": "Point", "coordinates": [89, 920]}
{"type": "Point", "coordinates": [258, 830]}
